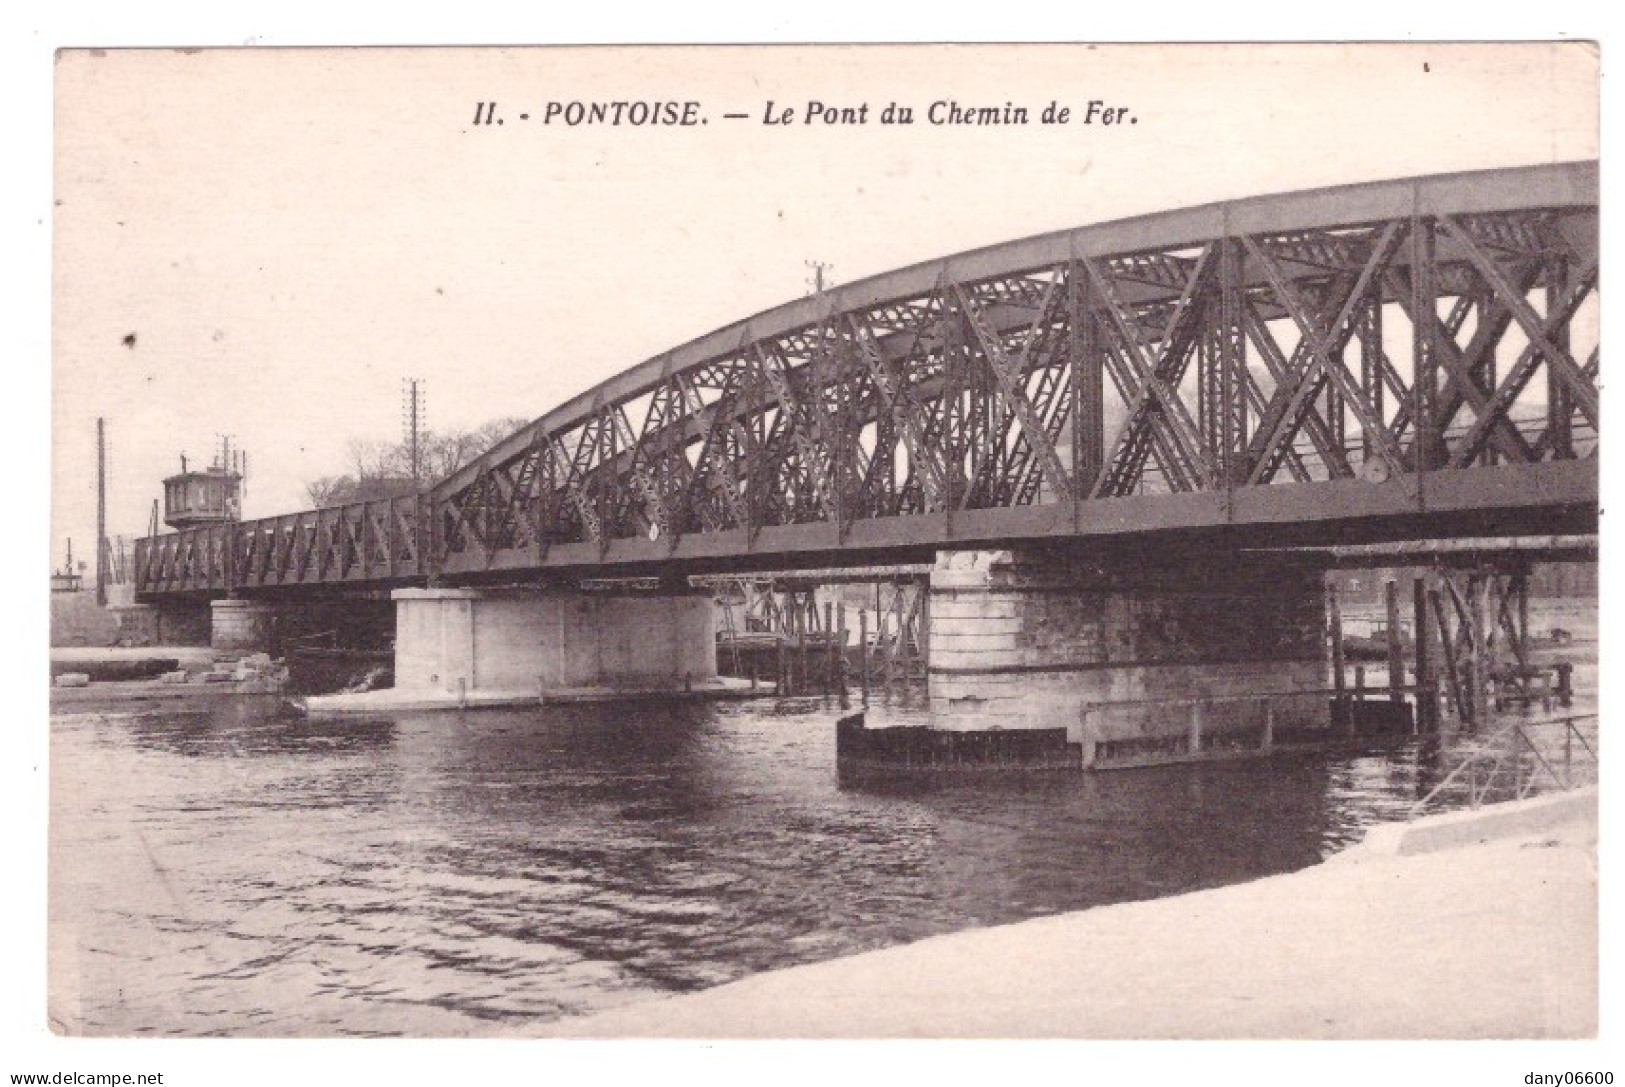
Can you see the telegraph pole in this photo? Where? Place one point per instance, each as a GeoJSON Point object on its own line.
{"type": "Point", "coordinates": [412, 418]}
{"type": "Point", "coordinates": [818, 267]}
{"type": "Point", "coordinates": [101, 512]}
{"type": "Point", "coordinates": [233, 511]}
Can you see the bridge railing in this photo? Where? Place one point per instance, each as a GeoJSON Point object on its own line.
{"type": "Point", "coordinates": [380, 540]}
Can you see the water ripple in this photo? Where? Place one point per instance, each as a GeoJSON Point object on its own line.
{"type": "Point", "coordinates": [241, 872]}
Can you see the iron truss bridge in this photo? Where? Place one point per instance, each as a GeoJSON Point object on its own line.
{"type": "Point", "coordinates": [1398, 360]}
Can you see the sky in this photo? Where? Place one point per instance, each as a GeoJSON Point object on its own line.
{"type": "Point", "coordinates": [264, 243]}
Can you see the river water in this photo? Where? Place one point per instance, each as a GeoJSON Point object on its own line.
{"type": "Point", "coordinates": [235, 871]}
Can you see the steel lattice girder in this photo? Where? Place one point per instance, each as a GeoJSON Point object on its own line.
{"type": "Point", "coordinates": [1378, 337]}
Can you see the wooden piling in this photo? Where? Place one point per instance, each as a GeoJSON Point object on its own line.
{"type": "Point", "coordinates": [801, 651]}
{"type": "Point", "coordinates": [838, 651]}
{"type": "Point", "coordinates": [1334, 618]}
{"type": "Point", "coordinates": [1520, 586]}
{"type": "Point", "coordinates": [829, 648]}
{"type": "Point", "coordinates": [1447, 646]}
{"type": "Point", "coordinates": [1396, 648]}
{"type": "Point", "coordinates": [791, 641]}
{"type": "Point", "coordinates": [863, 653]}
{"type": "Point", "coordinates": [1478, 592]}
{"type": "Point", "coordinates": [895, 647]}
{"type": "Point", "coordinates": [783, 677]}
{"type": "Point", "coordinates": [1427, 691]}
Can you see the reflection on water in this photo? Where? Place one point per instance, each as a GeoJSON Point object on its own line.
{"type": "Point", "coordinates": [238, 871]}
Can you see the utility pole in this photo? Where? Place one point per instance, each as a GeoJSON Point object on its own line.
{"type": "Point", "coordinates": [101, 512]}
{"type": "Point", "coordinates": [233, 511]}
{"type": "Point", "coordinates": [412, 421]}
{"type": "Point", "coordinates": [818, 267]}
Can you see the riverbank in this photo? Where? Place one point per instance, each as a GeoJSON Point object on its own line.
{"type": "Point", "coordinates": [1496, 938]}
{"type": "Point", "coordinates": [87, 679]}
{"type": "Point", "coordinates": [81, 658]}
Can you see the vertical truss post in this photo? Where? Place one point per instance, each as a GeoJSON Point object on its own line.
{"type": "Point", "coordinates": [836, 427]}
{"type": "Point", "coordinates": [1336, 416]}
{"type": "Point", "coordinates": [1088, 384]}
{"type": "Point", "coordinates": [1210, 410]}
{"type": "Point", "coordinates": [1485, 370]}
{"type": "Point", "coordinates": [953, 416]}
{"type": "Point", "coordinates": [1559, 406]}
{"type": "Point", "coordinates": [1424, 348]}
{"type": "Point", "coordinates": [751, 507]}
{"type": "Point", "coordinates": [827, 457]}
{"type": "Point", "coordinates": [600, 484]}
{"type": "Point", "coordinates": [1232, 361]}
{"type": "Point", "coordinates": [1371, 375]}
{"type": "Point", "coordinates": [974, 424]}
{"type": "Point", "coordinates": [429, 537]}
{"type": "Point", "coordinates": [531, 503]}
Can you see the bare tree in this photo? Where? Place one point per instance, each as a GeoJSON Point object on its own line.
{"type": "Point", "coordinates": [384, 470]}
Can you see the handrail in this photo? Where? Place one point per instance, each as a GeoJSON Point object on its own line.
{"type": "Point", "coordinates": [1353, 693]}
{"type": "Point", "coordinates": [1501, 744]}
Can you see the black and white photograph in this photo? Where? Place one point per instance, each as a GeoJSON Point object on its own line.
{"type": "Point", "coordinates": [917, 541]}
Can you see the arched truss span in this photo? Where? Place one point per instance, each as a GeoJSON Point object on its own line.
{"type": "Point", "coordinates": [1413, 355]}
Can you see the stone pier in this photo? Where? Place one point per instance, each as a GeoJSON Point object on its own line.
{"type": "Point", "coordinates": [1139, 658]}
{"type": "Point", "coordinates": [241, 626]}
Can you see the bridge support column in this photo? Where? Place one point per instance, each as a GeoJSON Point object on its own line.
{"type": "Point", "coordinates": [240, 626]}
{"type": "Point", "coordinates": [501, 645]}
{"type": "Point", "coordinates": [1137, 658]}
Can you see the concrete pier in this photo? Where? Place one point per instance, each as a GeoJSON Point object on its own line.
{"type": "Point", "coordinates": [451, 639]}
{"type": "Point", "coordinates": [1104, 645]}
{"type": "Point", "coordinates": [468, 647]}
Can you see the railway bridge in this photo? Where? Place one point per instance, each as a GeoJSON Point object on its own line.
{"type": "Point", "coordinates": [1099, 436]}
